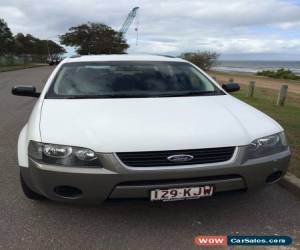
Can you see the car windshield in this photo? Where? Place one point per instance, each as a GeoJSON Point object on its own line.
{"type": "Point", "coordinates": [130, 79]}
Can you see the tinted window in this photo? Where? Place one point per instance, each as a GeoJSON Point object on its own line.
{"type": "Point", "coordinates": [129, 79]}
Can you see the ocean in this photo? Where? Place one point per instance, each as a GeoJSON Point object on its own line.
{"type": "Point", "coordinates": [254, 66]}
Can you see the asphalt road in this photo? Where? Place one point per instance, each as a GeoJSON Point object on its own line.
{"type": "Point", "coordinates": [26, 224]}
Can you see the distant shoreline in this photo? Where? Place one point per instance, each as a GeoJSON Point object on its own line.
{"type": "Point", "coordinates": [232, 72]}
{"type": "Point", "coordinates": [255, 66]}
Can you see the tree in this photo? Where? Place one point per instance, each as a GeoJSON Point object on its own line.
{"type": "Point", "coordinates": [54, 49]}
{"type": "Point", "coordinates": [6, 39]}
{"type": "Point", "coordinates": [36, 49]}
{"type": "Point", "coordinates": [94, 38]}
{"type": "Point", "coordinates": [26, 44]}
{"type": "Point", "coordinates": [28, 47]}
{"type": "Point", "coordinates": [204, 60]}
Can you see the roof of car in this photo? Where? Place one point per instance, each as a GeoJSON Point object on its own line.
{"type": "Point", "coordinates": [125, 57]}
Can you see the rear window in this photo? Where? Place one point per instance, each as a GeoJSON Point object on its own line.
{"type": "Point", "coordinates": [129, 79]}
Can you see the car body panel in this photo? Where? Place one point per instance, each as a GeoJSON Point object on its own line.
{"type": "Point", "coordinates": [31, 131]}
{"type": "Point", "coordinates": [149, 124]}
{"type": "Point", "coordinates": [116, 182]}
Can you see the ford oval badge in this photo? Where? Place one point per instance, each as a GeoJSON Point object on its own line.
{"type": "Point", "coordinates": [180, 158]}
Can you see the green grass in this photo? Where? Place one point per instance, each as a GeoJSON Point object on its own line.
{"type": "Point", "coordinates": [4, 68]}
{"type": "Point", "coordinates": [288, 116]}
{"type": "Point", "coordinates": [279, 74]}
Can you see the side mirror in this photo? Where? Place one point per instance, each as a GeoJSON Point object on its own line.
{"type": "Point", "coordinates": [25, 91]}
{"type": "Point", "coordinates": [231, 87]}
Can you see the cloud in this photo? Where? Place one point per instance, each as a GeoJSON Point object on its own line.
{"type": "Point", "coordinates": [171, 26]}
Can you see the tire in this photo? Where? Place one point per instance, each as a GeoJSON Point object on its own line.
{"type": "Point", "coordinates": [29, 193]}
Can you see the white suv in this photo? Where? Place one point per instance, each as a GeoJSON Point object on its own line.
{"type": "Point", "coordinates": [154, 127]}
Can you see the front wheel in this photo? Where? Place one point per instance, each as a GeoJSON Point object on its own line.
{"type": "Point", "coordinates": [29, 193]}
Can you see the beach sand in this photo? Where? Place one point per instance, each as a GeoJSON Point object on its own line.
{"type": "Point", "coordinates": [264, 82]}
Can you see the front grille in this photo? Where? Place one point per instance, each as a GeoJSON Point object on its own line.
{"type": "Point", "coordinates": [160, 158]}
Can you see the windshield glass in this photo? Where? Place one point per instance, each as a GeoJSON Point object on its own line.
{"type": "Point", "coordinates": [129, 79]}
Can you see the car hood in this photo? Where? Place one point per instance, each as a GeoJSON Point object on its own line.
{"type": "Point", "coordinates": [151, 124]}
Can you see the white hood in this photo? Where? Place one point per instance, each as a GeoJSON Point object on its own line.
{"type": "Point", "coordinates": [153, 124]}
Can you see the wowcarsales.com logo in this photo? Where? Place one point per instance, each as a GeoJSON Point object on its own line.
{"type": "Point", "coordinates": [207, 241]}
{"type": "Point", "coordinates": [240, 240]}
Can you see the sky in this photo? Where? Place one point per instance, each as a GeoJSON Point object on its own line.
{"type": "Point", "coordinates": [237, 29]}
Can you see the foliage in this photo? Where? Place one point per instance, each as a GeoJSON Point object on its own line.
{"type": "Point", "coordinates": [27, 46]}
{"type": "Point", "coordinates": [94, 38]}
{"type": "Point", "coordinates": [6, 38]}
{"type": "Point", "coordinates": [204, 60]}
{"type": "Point", "coordinates": [30, 45]}
{"type": "Point", "coordinates": [279, 74]}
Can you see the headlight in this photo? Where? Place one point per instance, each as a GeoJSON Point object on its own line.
{"type": "Point", "coordinates": [62, 155]}
{"type": "Point", "coordinates": [267, 145]}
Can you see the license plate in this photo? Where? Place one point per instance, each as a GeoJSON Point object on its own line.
{"type": "Point", "coordinates": [181, 193]}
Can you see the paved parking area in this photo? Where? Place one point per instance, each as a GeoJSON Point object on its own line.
{"type": "Point", "coordinates": [25, 224]}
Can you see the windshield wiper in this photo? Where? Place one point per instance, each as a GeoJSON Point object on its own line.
{"type": "Point", "coordinates": [80, 97]}
{"type": "Point", "coordinates": [187, 93]}
{"type": "Point", "coordinates": [193, 93]}
{"type": "Point", "coordinates": [104, 96]}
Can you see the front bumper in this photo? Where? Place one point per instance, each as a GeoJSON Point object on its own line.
{"type": "Point", "coordinates": [115, 180]}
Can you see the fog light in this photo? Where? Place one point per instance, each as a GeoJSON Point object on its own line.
{"type": "Point", "coordinates": [274, 177]}
{"type": "Point", "coordinates": [68, 192]}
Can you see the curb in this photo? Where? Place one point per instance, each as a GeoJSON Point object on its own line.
{"type": "Point", "coordinates": [291, 183]}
